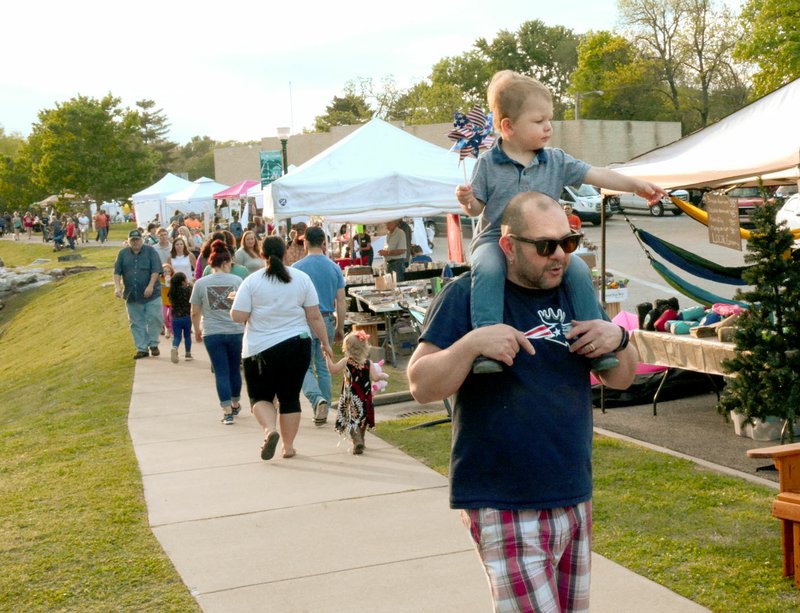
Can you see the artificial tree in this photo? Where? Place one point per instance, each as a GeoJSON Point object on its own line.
{"type": "Point", "coordinates": [766, 368]}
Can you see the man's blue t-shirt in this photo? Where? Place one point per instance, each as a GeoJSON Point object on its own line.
{"type": "Point", "coordinates": [326, 276]}
{"type": "Point", "coordinates": [522, 439]}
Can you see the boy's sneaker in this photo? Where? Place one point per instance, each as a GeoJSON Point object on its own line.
{"type": "Point", "coordinates": [604, 362]}
{"type": "Point", "coordinates": [154, 351]}
{"type": "Point", "coordinates": [173, 355]}
{"type": "Point", "coordinates": [227, 419]}
{"type": "Point", "coordinates": [188, 357]}
{"type": "Point", "coordinates": [486, 366]}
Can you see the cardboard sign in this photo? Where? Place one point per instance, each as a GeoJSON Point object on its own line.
{"type": "Point", "coordinates": [723, 221]}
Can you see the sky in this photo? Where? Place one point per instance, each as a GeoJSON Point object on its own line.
{"type": "Point", "coordinates": [240, 71]}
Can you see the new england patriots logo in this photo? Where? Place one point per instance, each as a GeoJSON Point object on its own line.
{"type": "Point", "coordinates": [552, 328]}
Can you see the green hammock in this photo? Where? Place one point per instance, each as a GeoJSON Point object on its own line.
{"type": "Point", "coordinates": [691, 262]}
{"type": "Point", "coordinates": [698, 294]}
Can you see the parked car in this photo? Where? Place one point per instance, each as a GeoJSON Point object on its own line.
{"type": "Point", "coordinates": [747, 198]}
{"type": "Point", "coordinates": [790, 212]}
{"type": "Point", "coordinates": [585, 201]}
{"type": "Point", "coordinates": [632, 202]}
{"type": "Point", "coordinates": [784, 192]}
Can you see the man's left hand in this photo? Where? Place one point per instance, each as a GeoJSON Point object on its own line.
{"type": "Point", "coordinates": [338, 336]}
{"type": "Point", "coordinates": [594, 337]}
{"type": "Point", "coordinates": [148, 291]}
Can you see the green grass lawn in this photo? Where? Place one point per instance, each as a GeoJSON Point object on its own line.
{"type": "Point", "coordinates": [74, 532]}
{"type": "Point", "coordinates": [708, 537]}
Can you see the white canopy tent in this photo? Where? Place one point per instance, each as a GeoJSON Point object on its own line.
{"type": "Point", "coordinates": [151, 201]}
{"type": "Point", "coordinates": [197, 197]}
{"type": "Point", "coordinates": [375, 174]}
{"type": "Point", "coordinates": [761, 139]}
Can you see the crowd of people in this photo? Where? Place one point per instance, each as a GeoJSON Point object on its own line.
{"type": "Point", "coordinates": [66, 230]}
{"type": "Point", "coordinates": [267, 306]}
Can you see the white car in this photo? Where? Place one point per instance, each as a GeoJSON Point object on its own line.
{"type": "Point", "coordinates": [632, 202]}
{"type": "Point", "coordinates": [790, 213]}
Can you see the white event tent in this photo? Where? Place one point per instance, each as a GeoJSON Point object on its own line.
{"type": "Point", "coordinates": [759, 140]}
{"type": "Point", "coordinates": [151, 201]}
{"type": "Point", "coordinates": [197, 197]}
{"type": "Point", "coordinates": [376, 173]}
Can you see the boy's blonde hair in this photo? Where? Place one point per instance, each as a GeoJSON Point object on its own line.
{"type": "Point", "coordinates": [356, 346]}
{"type": "Point", "coordinates": [509, 92]}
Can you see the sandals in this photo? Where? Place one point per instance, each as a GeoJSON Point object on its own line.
{"type": "Point", "coordinates": [270, 443]}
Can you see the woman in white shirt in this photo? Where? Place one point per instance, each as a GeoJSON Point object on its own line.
{"type": "Point", "coordinates": [278, 306]}
{"type": "Point", "coordinates": [181, 259]}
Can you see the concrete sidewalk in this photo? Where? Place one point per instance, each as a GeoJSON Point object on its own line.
{"type": "Point", "coordinates": [323, 531]}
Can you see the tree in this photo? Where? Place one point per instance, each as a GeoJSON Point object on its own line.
{"type": "Point", "coordinates": [89, 147]}
{"type": "Point", "coordinates": [630, 83]}
{"type": "Point", "coordinates": [350, 109]}
{"type": "Point", "coordinates": [154, 128]}
{"type": "Point", "coordinates": [767, 362]}
{"type": "Point", "coordinates": [427, 103]}
{"type": "Point", "coordinates": [196, 158]}
{"type": "Point", "coordinates": [772, 42]}
{"type": "Point", "coordinates": [16, 187]}
{"type": "Point", "coordinates": [10, 143]}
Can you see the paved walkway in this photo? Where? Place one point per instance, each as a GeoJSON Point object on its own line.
{"type": "Point", "coordinates": [323, 531]}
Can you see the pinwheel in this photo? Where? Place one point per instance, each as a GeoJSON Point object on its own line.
{"type": "Point", "coordinates": [471, 133]}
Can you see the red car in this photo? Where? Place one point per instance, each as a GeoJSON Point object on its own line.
{"type": "Point", "coordinates": [748, 198]}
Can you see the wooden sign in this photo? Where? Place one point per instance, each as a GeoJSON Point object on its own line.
{"type": "Point", "coordinates": [723, 221]}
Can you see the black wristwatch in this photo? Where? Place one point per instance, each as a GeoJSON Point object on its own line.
{"type": "Point", "coordinates": [626, 337]}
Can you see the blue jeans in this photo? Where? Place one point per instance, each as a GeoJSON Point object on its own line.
{"type": "Point", "coordinates": [225, 351]}
{"type": "Point", "coordinates": [182, 326]}
{"type": "Point", "coordinates": [488, 285]}
{"type": "Point", "coordinates": [317, 381]}
{"type": "Point", "coordinates": [398, 267]}
{"type": "Point", "coordinates": [146, 320]}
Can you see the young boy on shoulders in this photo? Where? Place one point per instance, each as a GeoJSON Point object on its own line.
{"type": "Point", "coordinates": [520, 161]}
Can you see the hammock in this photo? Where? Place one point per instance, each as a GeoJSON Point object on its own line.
{"type": "Point", "coordinates": [690, 262]}
{"type": "Point", "coordinates": [698, 294]}
{"type": "Point", "coordinates": [700, 215]}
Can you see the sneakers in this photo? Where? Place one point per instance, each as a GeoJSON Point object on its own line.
{"type": "Point", "coordinates": [235, 410]}
{"type": "Point", "coordinates": [270, 443]}
{"type": "Point", "coordinates": [321, 412]}
{"type": "Point", "coordinates": [155, 352]}
{"type": "Point", "coordinates": [140, 354]}
{"type": "Point", "coordinates": [227, 419]}
{"type": "Point", "coordinates": [486, 366]}
{"type": "Point", "coordinates": [173, 355]}
{"type": "Point", "coordinates": [188, 357]}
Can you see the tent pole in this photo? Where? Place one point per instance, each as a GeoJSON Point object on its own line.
{"type": "Point", "coordinates": [603, 282]}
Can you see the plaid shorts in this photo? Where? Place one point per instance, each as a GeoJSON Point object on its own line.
{"type": "Point", "coordinates": [535, 560]}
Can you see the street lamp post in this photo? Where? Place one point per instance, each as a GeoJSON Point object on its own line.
{"type": "Point", "coordinates": [283, 136]}
{"type": "Point", "coordinates": [579, 95]}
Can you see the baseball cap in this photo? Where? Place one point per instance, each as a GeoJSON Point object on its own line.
{"type": "Point", "coordinates": [134, 234]}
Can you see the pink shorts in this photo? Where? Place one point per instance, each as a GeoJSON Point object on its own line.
{"type": "Point", "coordinates": [535, 560]}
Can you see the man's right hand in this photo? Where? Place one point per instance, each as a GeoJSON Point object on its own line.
{"type": "Point", "coordinates": [499, 342]}
{"type": "Point", "coordinates": [118, 292]}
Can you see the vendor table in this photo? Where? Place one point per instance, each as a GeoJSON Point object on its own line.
{"type": "Point", "coordinates": [390, 303]}
{"type": "Point", "coordinates": [681, 351]}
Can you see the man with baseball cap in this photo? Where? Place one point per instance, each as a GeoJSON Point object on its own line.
{"type": "Point", "coordinates": [137, 268]}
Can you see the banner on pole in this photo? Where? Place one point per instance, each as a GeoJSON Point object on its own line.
{"type": "Point", "coordinates": [271, 166]}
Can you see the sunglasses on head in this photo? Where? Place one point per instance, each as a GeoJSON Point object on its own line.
{"type": "Point", "coordinates": [546, 247]}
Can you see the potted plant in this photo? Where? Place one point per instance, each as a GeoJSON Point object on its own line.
{"type": "Point", "coordinates": [766, 369]}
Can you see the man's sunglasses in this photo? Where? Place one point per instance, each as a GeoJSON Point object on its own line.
{"type": "Point", "coordinates": [546, 247]}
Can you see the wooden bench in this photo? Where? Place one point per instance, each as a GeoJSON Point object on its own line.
{"type": "Point", "coordinates": [786, 506]}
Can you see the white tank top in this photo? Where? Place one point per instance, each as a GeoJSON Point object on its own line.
{"type": "Point", "coordinates": [181, 263]}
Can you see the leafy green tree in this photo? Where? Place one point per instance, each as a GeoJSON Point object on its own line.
{"type": "Point", "coordinates": [91, 148]}
{"type": "Point", "coordinates": [767, 362]}
{"type": "Point", "coordinates": [196, 158]}
{"type": "Point", "coordinates": [10, 143]}
{"type": "Point", "coordinates": [630, 83]}
{"type": "Point", "coordinates": [771, 42]}
{"type": "Point", "coordinates": [347, 110]}
{"type": "Point", "coordinates": [427, 103]}
{"type": "Point", "coordinates": [154, 127]}
{"type": "Point", "coordinates": [16, 188]}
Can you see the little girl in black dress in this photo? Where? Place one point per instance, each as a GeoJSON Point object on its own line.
{"type": "Point", "coordinates": [355, 403]}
